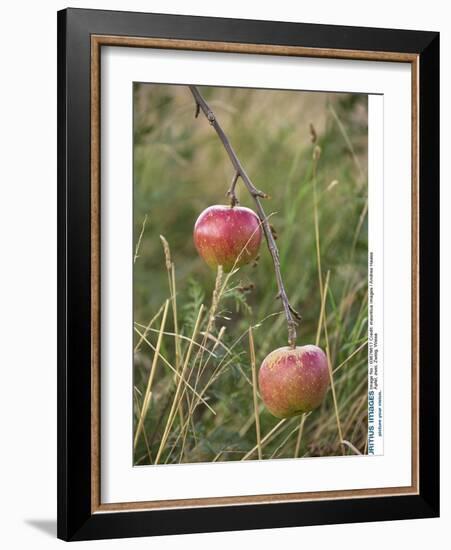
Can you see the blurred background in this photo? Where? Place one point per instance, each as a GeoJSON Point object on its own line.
{"type": "Point", "coordinates": [181, 168]}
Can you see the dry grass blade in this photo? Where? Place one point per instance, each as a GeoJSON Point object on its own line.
{"type": "Point", "coordinates": [170, 268]}
{"type": "Point", "coordinates": [355, 352]}
{"type": "Point", "coordinates": [332, 385]}
{"type": "Point", "coordinates": [215, 299]}
{"type": "Point", "coordinates": [355, 410]}
{"type": "Point", "coordinates": [176, 373]}
{"type": "Point", "coordinates": [213, 377]}
{"type": "Point", "coordinates": [348, 142]}
{"type": "Point", "coordinates": [299, 438]}
{"type": "Point", "coordinates": [265, 439]}
{"type": "Point", "coordinates": [254, 393]}
{"type": "Point", "coordinates": [172, 289]}
{"type": "Point", "coordinates": [201, 369]}
{"type": "Point", "coordinates": [146, 441]}
{"type": "Point", "coordinates": [181, 336]}
{"type": "Point", "coordinates": [138, 244]}
{"type": "Point", "coordinates": [178, 352]}
{"type": "Point", "coordinates": [351, 446]}
{"type": "Point", "coordinates": [147, 394]}
{"type": "Point", "coordinates": [322, 310]}
{"type": "Point", "coordinates": [217, 341]}
{"type": "Point", "coordinates": [247, 425]}
{"type": "Point", "coordinates": [175, 401]}
{"type": "Point", "coordinates": [323, 292]}
{"type": "Point", "coordinates": [360, 223]}
{"type": "Point", "coordinates": [316, 156]}
{"type": "Point", "coordinates": [147, 328]}
{"type": "Point", "coordinates": [284, 442]}
{"type": "Point", "coordinates": [193, 405]}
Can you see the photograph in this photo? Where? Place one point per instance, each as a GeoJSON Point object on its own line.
{"type": "Point", "coordinates": [250, 274]}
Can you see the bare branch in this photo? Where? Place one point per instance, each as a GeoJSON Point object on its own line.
{"type": "Point", "coordinates": [290, 313]}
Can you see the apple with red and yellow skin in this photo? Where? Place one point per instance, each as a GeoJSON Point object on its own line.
{"type": "Point", "coordinates": [293, 381]}
{"type": "Point", "coordinates": [227, 236]}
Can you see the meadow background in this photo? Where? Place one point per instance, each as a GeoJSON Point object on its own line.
{"type": "Point", "coordinates": [193, 381]}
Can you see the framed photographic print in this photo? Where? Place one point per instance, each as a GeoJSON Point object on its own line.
{"type": "Point", "coordinates": [248, 274]}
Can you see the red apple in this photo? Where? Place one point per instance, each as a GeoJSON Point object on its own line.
{"type": "Point", "coordinates": [293, 381]}
{"type": "Point", "coordinates": [227, 236]}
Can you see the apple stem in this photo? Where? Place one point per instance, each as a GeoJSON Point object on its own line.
{"type": "Point", "coordinates": [231, 192]}
{"type": "Point", "coordinates": [292, 316]}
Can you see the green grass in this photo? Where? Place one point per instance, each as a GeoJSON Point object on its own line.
{"type": "Point", "coordinates": [201, 401]}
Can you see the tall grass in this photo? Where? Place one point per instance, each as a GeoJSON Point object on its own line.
{"type": "Point", "coordinates": [200, 335]}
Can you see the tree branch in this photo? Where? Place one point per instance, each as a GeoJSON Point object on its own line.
{"type": "Point", "coordinates": [290, 313]}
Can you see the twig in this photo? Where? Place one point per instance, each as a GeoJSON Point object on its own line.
{"type": "Point", "coordinates": [290, 313]}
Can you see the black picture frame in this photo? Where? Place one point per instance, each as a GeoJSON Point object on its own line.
{"type": "Point", "coordinates": [76, 521]}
